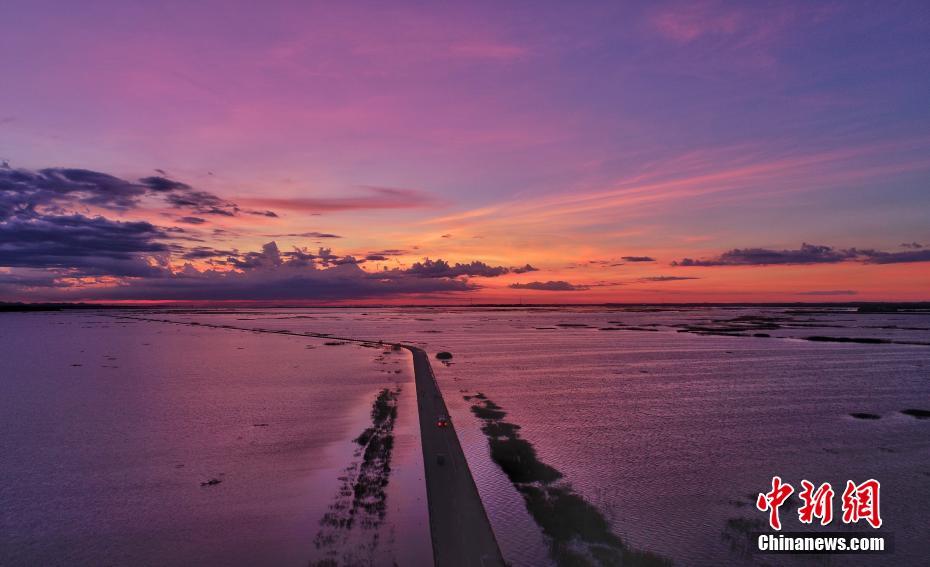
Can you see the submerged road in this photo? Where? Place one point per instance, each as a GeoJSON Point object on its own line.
{"type": "Point", "coordinates": [459, 526]}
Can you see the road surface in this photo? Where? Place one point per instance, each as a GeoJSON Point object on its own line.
{"type": "Point", "coordinates": [459, 526]}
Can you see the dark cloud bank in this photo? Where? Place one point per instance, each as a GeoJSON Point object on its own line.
{"type": "Point", "coordinates": [45, 221]}
{"type": "Point", "coordinates": [25, 192]}
{"type": "Point", "coordinates": [807, 254]}
{"type": "Point", "coordinates": [549, 286]}
{"type": "Point", "coordinates": [666, 278]}
{"type": "Point", "coordinates": [274, 275]}
{"type": "Point", "coordinates": [441, 269]}
{"type": "Point", "coordinates": [52, 247]}
{"type": "Point", "coordinates": [57, 241]}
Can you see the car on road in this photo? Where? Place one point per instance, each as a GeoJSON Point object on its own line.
{"type": "Point", "coordinates": [442, 420]}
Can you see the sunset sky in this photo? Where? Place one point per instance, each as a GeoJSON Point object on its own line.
{"type": "Point", "coordinates": [419, 152]}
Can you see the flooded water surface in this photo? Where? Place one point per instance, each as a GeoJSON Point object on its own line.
{"type": "Point", "coordinates": [141, 443]}
{"type": "Point", "coordinates": [658, 427]}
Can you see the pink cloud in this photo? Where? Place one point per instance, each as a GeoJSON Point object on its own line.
{"type": "Point", "coordinates": [749, 32]}
{"type": "Point", "coordinates": [688, 22]}
{"type": "Point", "coordinates": [376, 198]}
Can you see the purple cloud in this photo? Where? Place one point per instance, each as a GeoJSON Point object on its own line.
{"type": "Point", "coordinates": [666, 278]}
{"type": "Point", "coordinates": [806, 254]}
{"type": "Point", "coordinates": [265, 275]}
{"type": "Point", "coordinates": [58, 190]}
{"type": "Point", "coordinates": [442, 269]}
{"type": "Point", "coordinates": [88, 246]}
{"type": "Point", "coordinates": [374, 198]}
{"type": "Point", "coordinates": [879, 257]}
{"type": "Point", "coordinates": [549, 286]}
{"type": "Point", "coordinates": [524, 269]}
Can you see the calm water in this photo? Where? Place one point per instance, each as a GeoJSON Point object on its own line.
{"type": "Point", "coordinates": [110, 427]}
{"type": "Point", "coordinates": [670, 434]}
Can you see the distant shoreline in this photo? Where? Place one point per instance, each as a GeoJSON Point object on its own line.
{"type": "Point", "coordinates": [861, 306]}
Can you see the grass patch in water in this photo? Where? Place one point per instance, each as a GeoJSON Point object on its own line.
{"type": "Point", "coordinates": [864, 415]}
{"type": "Point", "coordinates": [517, 457]}
{"type": "Point", "coordinates": [578, 534]}
{"type": "Point", "coordinates": [485, 412]}
{"type": "Point", "coordinates": [861, 340]}
{"type": "Point", "coordinates": [918, 413]}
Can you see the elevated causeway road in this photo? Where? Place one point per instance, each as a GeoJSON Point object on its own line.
{"type": "Point", "coordinates": [460, 529]}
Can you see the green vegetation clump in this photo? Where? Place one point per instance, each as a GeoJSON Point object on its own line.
{"type": "Point", "coordinates": [918, 413]}
{"type": "Point", "coordinates": [564, 515]}
{"type": "Point", "coordinates": [517, 458]}
{"type": "Point", "coordinates": [487, 413]}
{"type": "Point", "coordinates": [365, 436]}
{"type": "Point", "coordinates": [498, 428]}
{"type": "Point", "coordinates": [384, 408]}
{"type": "Point", "coordinates": [578, 534]}
{"type": "Point", "coordinates": [862, 340]}
{"type": "Point", "coordinates": [361, 502]}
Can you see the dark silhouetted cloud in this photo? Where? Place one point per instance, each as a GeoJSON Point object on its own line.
{"type": "Point", "coordinates": [879, 257]}
{"type": "Point", "coordinates": [26, 192]}
{"type": "Point", "coordinates": [265, 275]}
{"type": "Point", "coordinates": [549, 286]}
{"type": "Point", "coordinates": [91, 246]}
{"type": "Point", "coordinates": [270, 214]}
{"type": "Point", "coordinates": [638, 258]}
{"type": "Point", "coordinates": [202, 203]}
{"type": "Point", "coordinates": [807, 254]}
{"type": "Point", "coordinates": [269, 257]}
{"type": "Point", "coordinates": [164, 185]}
{"type": "Point", "coordinates": [524, 269]}
{"type": "Point", "coordinates": [58, 190]}
{"type": "Point", "coordinates": [347, 260]}
{"type": "Point", "coordinates": [389, 252]}
{"type": "Point", "coordinates": [17, 279]}
{"type": "Point", "coordinates": [203, 252]}
{"type": "Point", "coordinates": [48, 241]}
{"type": "Point", "coordinates": [442, 269]}
{"type": "Point", "coordinates": [666, 278]}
